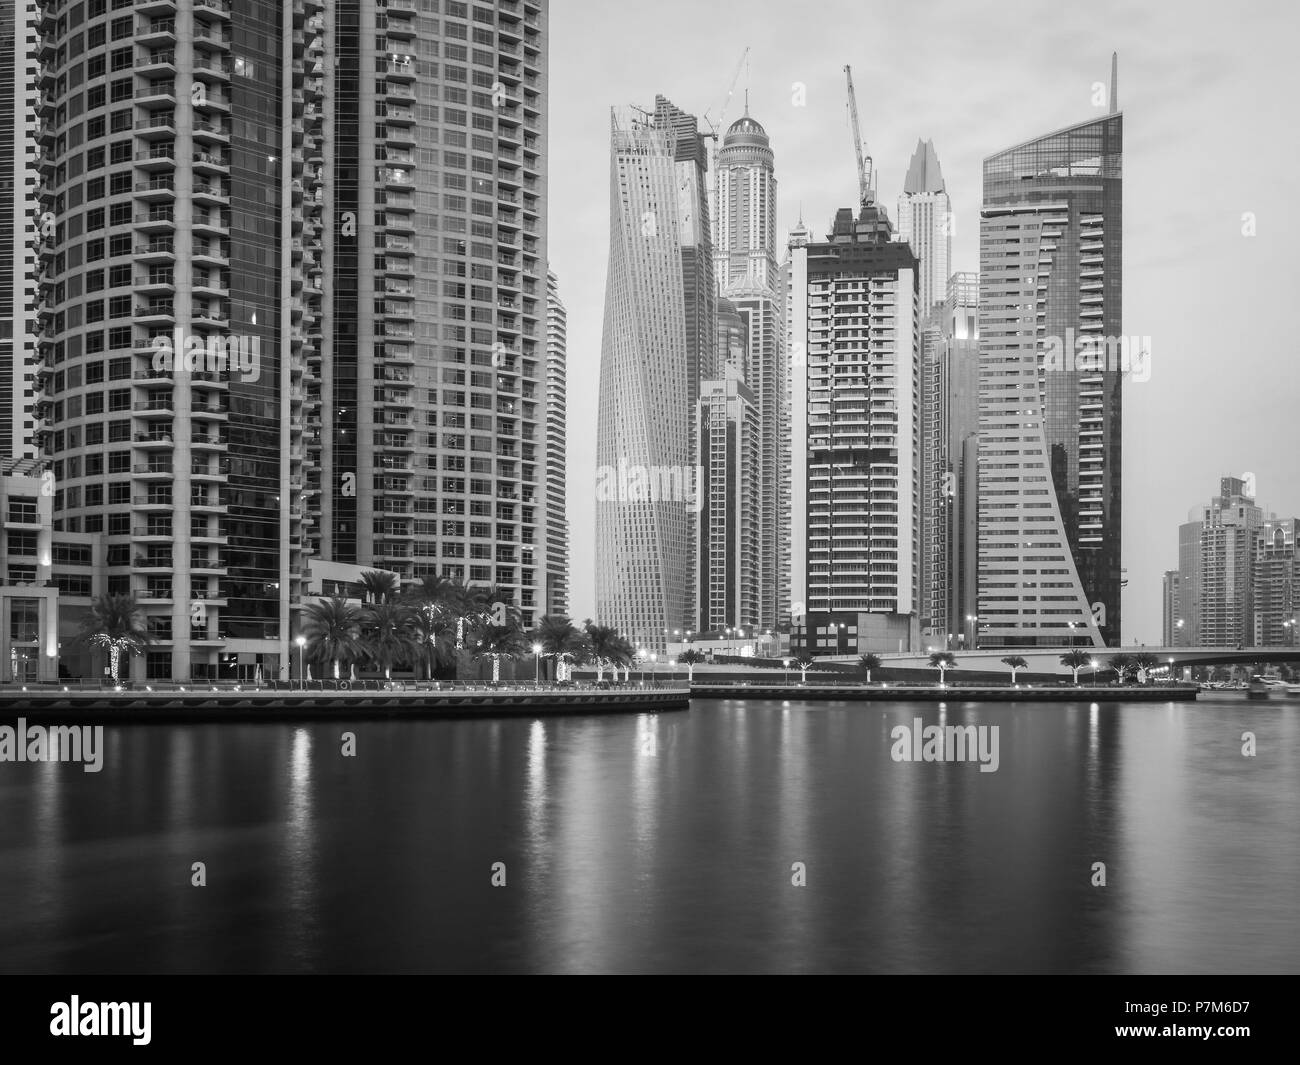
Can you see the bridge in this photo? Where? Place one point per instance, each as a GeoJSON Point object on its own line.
{"type": "Point", "coordinates": [1047, 660]}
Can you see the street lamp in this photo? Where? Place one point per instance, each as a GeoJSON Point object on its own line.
{"type": "Point", "coordinates": [301, 641]}
{"type": "Point", "coordinates": [1095, 664]}
{"type": "Point", "coordinates": [974, 631]}
{"type": "Point", "coordinates": [653, 659]}
{"type": "Point", "coordinates": [537, 650]}
{"type": "Point", "coordinates": [786, 662]}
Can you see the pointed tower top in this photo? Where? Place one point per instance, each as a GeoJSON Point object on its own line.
{"type": "Point", "coordinates": [1114, 82]}
{"type": "Point", "coordinates": [923, 174]}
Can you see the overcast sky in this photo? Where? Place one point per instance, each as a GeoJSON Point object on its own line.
{"type": "Point", "coordinates": [1208, 93]}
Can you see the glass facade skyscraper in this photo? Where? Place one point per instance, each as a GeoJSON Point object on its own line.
{"type": "Point", "coordinates": [1050, 389]}
{"type": "Point", "coordinates": [292, 305]}
{"type": "Point", "coordinates": [656, 350]}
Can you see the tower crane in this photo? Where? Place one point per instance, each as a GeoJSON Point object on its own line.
{"type": "Point", "coordinates": [866, 193]}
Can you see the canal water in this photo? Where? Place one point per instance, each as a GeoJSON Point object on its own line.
{"type": "Point", "coordinates": [742, 836]}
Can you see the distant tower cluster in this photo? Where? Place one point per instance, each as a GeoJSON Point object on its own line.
{"type": "Point", "coordinates": [1238, 568]}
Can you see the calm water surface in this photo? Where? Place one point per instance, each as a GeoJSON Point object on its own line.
{"type": "Point", "coordinates": [665, 843]}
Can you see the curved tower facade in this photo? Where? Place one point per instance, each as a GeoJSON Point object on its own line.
{"type": "Point", "coordinates": [654, 354]}
{"type": "Point", "coordinates": [1052, 358]}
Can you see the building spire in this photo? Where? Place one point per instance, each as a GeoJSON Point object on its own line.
{"type": "Point", "coordinates": [1114, 82]}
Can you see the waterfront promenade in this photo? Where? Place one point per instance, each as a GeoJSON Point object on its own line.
{"type": "Point", "coordinates": [403, 699]}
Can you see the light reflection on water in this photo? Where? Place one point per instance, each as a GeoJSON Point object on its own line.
{"type": "Point", "coordinates": [666, 843]}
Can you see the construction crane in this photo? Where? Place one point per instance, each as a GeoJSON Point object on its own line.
{"type": "Point", "coordinates": [866, 193]}
{"type": "Point", "coordinates": [714, 129]}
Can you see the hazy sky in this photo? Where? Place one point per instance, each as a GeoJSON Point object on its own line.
{"type": "Point", "coordinates": [1208, 93]}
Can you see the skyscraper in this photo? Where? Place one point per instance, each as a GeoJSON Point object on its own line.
{"type": "Point", "coordinates": [748, 276]}
{"type": "Point", "coordinates": [657, 348]}
{"type": "Point", "coordinates": [857, 434]}
{"type": "Point", "coordinates": [950, 370]}
{"type": "Point", "coordinates": [557, 522]}
{"type": "Point", "coordinates": [180, 167]}
{"type": "Point", "coordinates": [1275, 582]}
{"type": "Point", "coordinates": [1228, 529]}
{"type": "Point", "coordinates": [1049, 482]}
{"type": "Point", "coordinates": [729, 440]}
{"type": "Point", "coordinates": [925, 222]}
{"type": "Point", "coordinates": [278, 385]}
{"type": "Point", "coordinates": [1173, 634]}
{"type": "Point", "coordinates": [434, 368]}
{"type": "Point", "coordinates": [19, 224]}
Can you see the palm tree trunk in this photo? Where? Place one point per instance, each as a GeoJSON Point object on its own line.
{"type": "Point", "coordinates": [496, 669]}
{"type": "Point", "coordinates": [114, 660]}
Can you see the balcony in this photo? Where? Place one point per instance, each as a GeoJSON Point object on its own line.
{"type": "Point", "coordinates": [156, 127]}
{"type": "Point", "coordinates": [159, 157]}
{"type": "Point", "coordinates": [160, 61]}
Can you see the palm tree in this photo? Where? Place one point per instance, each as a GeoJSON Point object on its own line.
{"type": "Point", "coordinates": [608, 648]}
{"type": "Point", "coordinates": [468, 604]}
{"type": "Point", "coordinates": [435, 636]}
{"type": "Point", "coordinates": [117, 623]}
{"type": "Point", "coordinates": [388, 635]}
{"type": "Point", "coordinates": [1076, 660]}
{"type": "Point", "coordinates": [378, 586]}
{"type": "Point", "coordinates": [624, 654]}
{"type": "Point", "coordinates": [333, 631]}
{"type": "Point", "coordinates": [563, 641]}
{"type": "Point", "coordinates": [867, 663]}
{"type": "Point", "coordinates": [691, 658]}
{"type": "Point", "coordinates": [1122, 664]}
{"type": "Point", "coordinates": [1145, 661]}
{"type": "Point", "coordinates": [803, 660]}
{"type": "Point", "coordinates": [432, 624]}
{"type": "Point", "coordinates": [497, 642]}
{"type": "Point", "coordinates": [1017, 663]}
{"type": "Point", "coordinates": [943, 661]}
